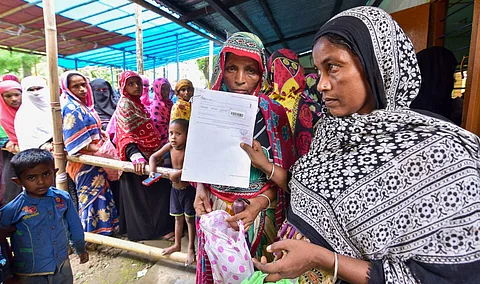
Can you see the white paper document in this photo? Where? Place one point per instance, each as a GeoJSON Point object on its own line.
{"type": "Point", "coordinates": [218, 123]}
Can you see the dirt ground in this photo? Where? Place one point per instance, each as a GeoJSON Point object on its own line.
{"type": "Point", "coordinates": [110, 265]}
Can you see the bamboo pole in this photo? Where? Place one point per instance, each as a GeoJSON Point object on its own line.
{"type": "Point", "coordinates": [150, 251]}
{"type": "Point", "coordinates": [139, 38]}
{"type": "Point", "coordinates": [116, 165]}
{"type": "Point", "coordinates": [52, 62]}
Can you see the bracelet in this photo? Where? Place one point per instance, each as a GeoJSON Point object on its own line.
{"type": "Point", "coordinates": [335, 271]}
{"type": "Point", "coordinates": [272, 173]}
{"type": "Point", "coordinates": [268, 198]}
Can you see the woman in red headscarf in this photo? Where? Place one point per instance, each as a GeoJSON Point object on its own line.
{"type": "Point", "coordinates": [11, 93]}
{"type": "Point", "coordinates": [145, 210]}
{"type": "Point", "coordinates": [241, 68]}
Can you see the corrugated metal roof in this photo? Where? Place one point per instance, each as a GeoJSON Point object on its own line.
{"type": "Point", "coordinates": [296, 21]}
{"type": "Point", "coordinates": [100, 32]}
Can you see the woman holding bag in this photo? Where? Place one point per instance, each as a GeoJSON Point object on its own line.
{"type": "Point", "coordinates": [82, 135]}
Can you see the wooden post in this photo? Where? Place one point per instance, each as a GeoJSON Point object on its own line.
{"type": "Point", "coordinates": [142, 249]}
{"type": "Point", "coordinates": [471, 103]}
{"type": "Point", "coordinates": [139, 38]}
{"type": "Point", "coordinates": [52, 62]}
{"type": "Point", "coordinates": [438, 10]}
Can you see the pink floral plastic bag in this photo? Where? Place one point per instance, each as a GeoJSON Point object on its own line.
{"type": "Point", "coordinates": [107, 150]}
{"type": "Point", "coordinates": [226, 248]}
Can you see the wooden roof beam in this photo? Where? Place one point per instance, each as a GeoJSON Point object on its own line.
{"type": "Point", "coordinates": [19, 8]}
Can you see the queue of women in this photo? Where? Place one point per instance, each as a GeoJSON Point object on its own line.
{"type": "Point", "coordinates": [348, 184]}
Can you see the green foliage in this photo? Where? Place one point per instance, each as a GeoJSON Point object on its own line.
{"type": "Point", "coordinates": [17, 63]}
{"type": "Point", "coordinates": [202, 64]}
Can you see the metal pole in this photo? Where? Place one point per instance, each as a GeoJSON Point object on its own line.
{"type": "Point", "coordinates": [154, 65]}
{"type": "Point", "coordinates": [139, 38]}
{"type": "Point", "coordinates": [124, 61]}
{"type": "Point", "coordinates": [111, 74]}
{"type": "Point", "coordinates": [210, 64]}
{"type": "Point", "coordinates": [76, 64]}
{"type": "Point", "coordinates": [164, 14]}
{"type": "Point", "coordinates": [178, 58]}
{"type": "Point", "coordinates": [52, 62]}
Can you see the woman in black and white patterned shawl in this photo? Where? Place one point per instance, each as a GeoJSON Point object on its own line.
{"type": "Point", "coordinates": [394, 193]}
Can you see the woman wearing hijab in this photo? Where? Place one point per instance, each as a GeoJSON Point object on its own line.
{"type": "Point", "coordinates": [145, 92]}
{"type": "Point", "coordinates": [437, 66]}
{"type": "Point", "coordinates": [161, 107]}
{"type": "Point", "coordinates": [104, 100]}
{"type": "Point", "coordinates": [307, 114]}
{"type": "Point", "coordinates": [10, 102]}
{"type": "Point", "coordinates": [385, 194]}
{"type": "Point", "coordinates": [10, 77]}
{"type": "Point", "coordinates": [145, 209]}
{"type": "Point", "coordinates": [35, 108]}
{"type": "Point", "coordinates": [286, 81]}
{"type": "Point", "coordinates": [82, 134]}
{"type": "Point", "coordinates": [241, 68]}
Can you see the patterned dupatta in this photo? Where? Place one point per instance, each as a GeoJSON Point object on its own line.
{"type": "Point", "coordinates": [286, 81]}
{"type": "Point", "coordinates": [276, 122]}
{"type": "Point", "coordinates": [133, 123]}
{"type": "Point", "coordinates": [160, 109]}
{"type": "Point", "coordinates": [392, 185]}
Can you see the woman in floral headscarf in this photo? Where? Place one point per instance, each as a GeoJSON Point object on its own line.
{"type": "Point", "coordinates": [308, 113]}
{"type": "Point", "coordinates": [385, 194]}
{"type": "Point", "coordinates": [241, 68]}
{"type": "Point", "coordinates": [286, 81]}
{"type": "Point", "coordinates": [145, 209]}
{"type": "Point", "coordinates": [82, 134]}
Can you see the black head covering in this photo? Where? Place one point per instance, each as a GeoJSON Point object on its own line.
{"type": "Point", "coordinates": [437, 66]}
{"type": "Point", "coordinates": [356, 34]}
{"type": "Point", "coordinates": [104, 101]}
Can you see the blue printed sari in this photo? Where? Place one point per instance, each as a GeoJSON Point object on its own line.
{"type": "Point", "coordinates": [81, 127]}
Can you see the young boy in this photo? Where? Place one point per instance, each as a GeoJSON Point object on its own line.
{"type": "Point", "coordinates": [182, 193]}
{"type": "Point", "coordinates": [45, 219]}
{"type": "Point", "coordinates": [182, 108]}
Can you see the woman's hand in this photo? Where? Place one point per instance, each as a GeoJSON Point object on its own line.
{"type": "Point", "coordinates": [93, 147]}
{"type": "Point", "coordinates": [202, 200]}
{"type": "Point", "coordinates": [248, 215]}
{"type": "Point", "coordinates": [298, 258]}
{"type": "Point", "coordinates": [12, 147]}
{"type": "Point", "coordinates": [257, 156]}
{"type": "Point", "coordinates": [139, 167]}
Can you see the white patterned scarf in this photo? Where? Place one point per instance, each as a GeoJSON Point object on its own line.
{"type": "Point", "coordinates": [392, 185]}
